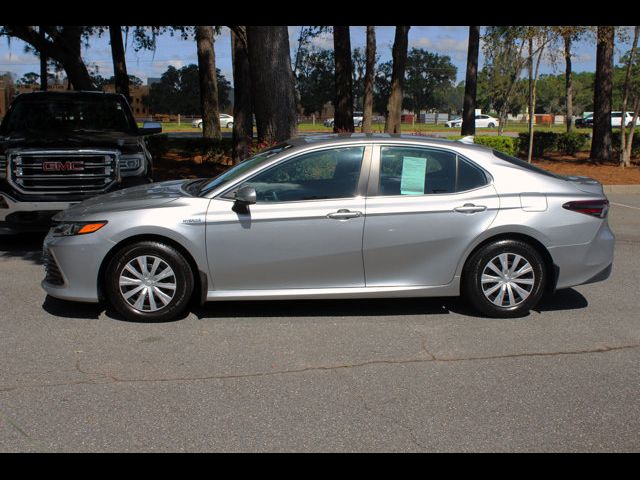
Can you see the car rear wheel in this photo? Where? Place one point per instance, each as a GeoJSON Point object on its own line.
{"type": "Point", "coordinates": [492, 125]}
{"type": "Point", "coordinates": [505, 278]}
{"type": "Point", "coordinates": [149, 282]}
{"type": "Point", "coordinates": [230, 125]}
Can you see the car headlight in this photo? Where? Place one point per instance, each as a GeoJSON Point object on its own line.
{"type": "Point", "coordinates": [68, 229]}
{"type": "Point", "coordinates": [129, 163]}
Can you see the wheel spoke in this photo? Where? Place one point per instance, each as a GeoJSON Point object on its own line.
{"type": "Point", "coordinates": [524, 281]}
{"type": "Point", "coordinates": [132, 292]}
{"type": "Point", "coordinates": [512, 300]}
{"type": "Point", "coordinates": [152, 300]}
{"type": "Point", "coordinates": [164, 298]}
{"type": "Point", "coordinates": [489, 279]}
{"type": "Point", "coordinates": [129, 268]}
{"type": "Point", "coordinates": [526, 269]}
{"type": "Point", "coordinates": [493, 267]}
{"type": "Point", "coordinates": [504, 262]}
{"type": "Point", "coordinates": [154, 267]}
{"type": "Point", "coordinates": [128, 281]}
{"type": "Point", "coordinates": [500, 298]}
{"type": "Point", "coordinates": [140, 301]}
{"type": "Point", "coordinates": [520, 291]}
{"type": "Point", "coordinates": [142, 263]}
{"type": "Point", "coordinates": [489, 291]}
{"type": "Point", "coordinates": [167, 272]}
{"type": "Point", "coordinates": [515, 263]}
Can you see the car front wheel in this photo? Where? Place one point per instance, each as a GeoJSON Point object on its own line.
{"type": "Point", "coordinates": [149, 281]}
{"type": "Point", "coordinates": [505, 278]}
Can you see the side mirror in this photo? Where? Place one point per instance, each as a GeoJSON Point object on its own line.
{"type": "Point", "coordinates": [244, 197]}
{"type": "Point", "coordinates": [149, 128]}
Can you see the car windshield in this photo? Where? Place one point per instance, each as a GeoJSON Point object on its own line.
{"type": "Point", "coordinates": [205, 186]}
{"type": "Point", "coordinates": [99, 112]}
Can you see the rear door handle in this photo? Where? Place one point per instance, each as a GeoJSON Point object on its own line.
{"type": "Point", "coordinates": [344, 214]}
{"type": "Point", "coordinates": [470, 208]}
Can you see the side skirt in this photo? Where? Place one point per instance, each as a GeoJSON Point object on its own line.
{"type": "Point", "coordinates": [450, 290]}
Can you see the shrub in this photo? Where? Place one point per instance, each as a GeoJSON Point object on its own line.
{"type": "Point", "coordinates": [543, 142]}
{"type": "Point", "coordinates": [635, 148]}
{"type": "Point", "coordinates": [508, 145]}
{"type": "Point", "coordinates": [570, 143]}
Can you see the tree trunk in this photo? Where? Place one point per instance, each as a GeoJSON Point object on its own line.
{"type": "Point", "coordinates": [119, 62]}
{"type": "Point", "coordinates": [343, 119]}
{"type": "Point", "coordinates": [568, 80]}
{"type": "Point", "coordinates": [367, 111]}
{"type": "Point", "coordinates": [625, 161]}
{"type": "Point", "coordinates": [601, 149]}
{"type": "Point", "coordinates": [629, 145]}
{"type": "Point", "coordinates": [532, 91]}
{"type": "Point", "coordinates": [394, 105]}
{"type": "Point", "coordinates": [242, 104]}
{"type": "Point", "coordinates": [471, 83]}
{"type": "Point", "coordinates": [272, 83]}
{"type": "Point", "coordinates": [44, 75]}
{"type": "Point", "coordinates": [208, 83]}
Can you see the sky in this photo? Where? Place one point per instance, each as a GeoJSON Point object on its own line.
{"type": "Point", "coordinates": [444, 40]}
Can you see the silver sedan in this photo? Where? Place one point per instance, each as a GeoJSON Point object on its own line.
{"type": "Point", "coordinates": [337, 217]}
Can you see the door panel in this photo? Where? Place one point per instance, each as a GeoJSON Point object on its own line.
{"type": "Point", "coordinates": [286, 245]}
{"type": "Point", "coordinates": [417, 227]}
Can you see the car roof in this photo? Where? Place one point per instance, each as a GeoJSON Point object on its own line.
{"type": "Point", "coordinates": [39, 95]}
{"type": "Point", "coordinates": [341, 138]}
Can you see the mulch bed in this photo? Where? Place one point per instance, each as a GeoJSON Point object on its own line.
{"type": "Point", "coordinates": [607, 174]}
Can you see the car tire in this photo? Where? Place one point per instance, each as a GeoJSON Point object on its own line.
{"type": "Point", "coordinates": [170, 291]}
{"type": "Point", "coordinates": [491, 282]}
{"type": "Point", "coordinates": [491, 125]}
{"type": "Point", "coordinates": [230, 125]}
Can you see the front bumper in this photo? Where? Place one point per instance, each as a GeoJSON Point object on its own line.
{"type": "Point", "coordinates": [18, 217]}
{"type": "Point", "coordinates": [76, 261]}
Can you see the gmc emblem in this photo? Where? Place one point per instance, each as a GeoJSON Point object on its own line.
{"type": "Point", "coordinates": [63, 166]}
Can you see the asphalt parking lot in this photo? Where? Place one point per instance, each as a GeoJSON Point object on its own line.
{"type": "Point", "coordinates": [360, 375]}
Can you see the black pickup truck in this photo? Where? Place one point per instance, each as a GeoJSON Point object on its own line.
{"type": "Point", "coordinates": [59, 148]}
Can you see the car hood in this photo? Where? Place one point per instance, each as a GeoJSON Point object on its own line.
{"type": "Point", "coordinates": [134, 198]}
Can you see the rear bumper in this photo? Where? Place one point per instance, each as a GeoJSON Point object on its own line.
{"type": "Point", "coordinates": [587, 263]}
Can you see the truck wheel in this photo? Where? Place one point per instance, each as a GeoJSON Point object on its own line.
{"type": "Point", "coordinates": [149, 281]}
{"type": "Point", "coordinates": [505, 278]}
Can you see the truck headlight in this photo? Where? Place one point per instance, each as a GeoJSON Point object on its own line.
{"type": "Point", "coordinates": [130, 163]}
{"type": "Point", "coordinates": [67, 229]}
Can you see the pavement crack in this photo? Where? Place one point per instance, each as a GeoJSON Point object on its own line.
{"type": "Point", "coordinates": [317, 368]}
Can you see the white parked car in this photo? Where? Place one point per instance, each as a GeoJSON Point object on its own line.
{"type": "Point", "coordinates": [357, 120]}
{"type": "Point", "coordinates": [226, 121]}
{"type": "Point", "coordinates": [628, 119]}
{"type": "Point", "coordinates": [482, 121]}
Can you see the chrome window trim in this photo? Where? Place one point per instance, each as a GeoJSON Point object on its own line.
{"type": "Point", "coordinates": [362, 179]}
{"type": "Point", "coordinates": [374, 177]}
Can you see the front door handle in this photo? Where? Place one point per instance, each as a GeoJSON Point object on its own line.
{"type": "Point", "coordinates": [344, 214]}
{"type": "Point", "coordinates": [470, 208]}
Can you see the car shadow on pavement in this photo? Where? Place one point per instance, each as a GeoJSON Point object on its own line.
{"type": "Point", "coordinates": [568, 299]}
{"type": "Point", "coordinates": [27, 246]}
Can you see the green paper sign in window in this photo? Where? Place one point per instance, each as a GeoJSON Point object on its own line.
{"type": "Point", "coordinates": [413, 176]}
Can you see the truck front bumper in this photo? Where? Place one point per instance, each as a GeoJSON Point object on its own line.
{"type": "Point", "coordinates": [18, 216]}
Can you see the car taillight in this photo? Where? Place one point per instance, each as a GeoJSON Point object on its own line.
{"type": "Point", "coordinates": [595, 208]}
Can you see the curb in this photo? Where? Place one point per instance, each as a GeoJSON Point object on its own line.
{"type": "Point", "coordinates": [621, 188]}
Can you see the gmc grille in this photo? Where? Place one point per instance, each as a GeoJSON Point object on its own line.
{"type": "Point", "coordinates": [3, 166]}
{"type": "Point", "coordinates": [63, 172]}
